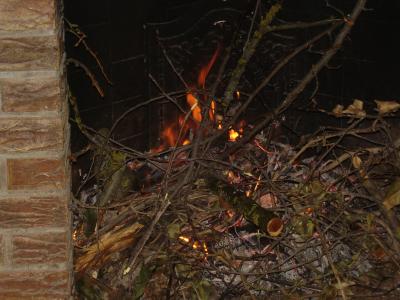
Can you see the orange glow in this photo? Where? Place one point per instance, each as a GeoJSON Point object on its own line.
{"type": "Point", "coordinates": [219, 126]}
{"type": "Point", "coordinates": [230, 213]}
{"type": "Point", "coordinates": [186, 142]}
{"type": "Point", "coordinates": [248, 193]}
{"type": "Point", "coordinates": [169, 135]}
{"type": "Point", "coordinates": [238, 94]}
{"type": "Point", "coordinates": [233, 135]}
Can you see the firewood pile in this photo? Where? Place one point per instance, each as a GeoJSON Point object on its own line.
{"type": "Point", "coordinates": [225, 210]}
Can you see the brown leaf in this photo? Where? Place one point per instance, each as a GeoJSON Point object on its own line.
{"type": "Point", "coordinates": [356, 161]}
{"type": "Point", "coordinates": [356, 109]}
{"type": "Point", "coordinates": [392, 197]}
{"type": "Point", "coordinates": [338, 110]}
{"type": "Point", "coordinates": [385, 107]}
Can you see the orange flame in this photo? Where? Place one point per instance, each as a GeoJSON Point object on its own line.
{"type": "Point", "coordinates": [194, 106]}
{"type": "Point", "coordinates": [201, 80]}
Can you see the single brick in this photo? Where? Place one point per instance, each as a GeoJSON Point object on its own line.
{"type": "Point", "coordinates": [46, 248]}
{"type": "Point", "coordinates": [26, 15]}
{"type": "Point", "coordinates": [35, 174]}
{"type": "Point", "coordinates": [29, 53]}
{"type": "Point", "coordinates": [19, 135]}
{"type": "Point", "coordinates": [33, 212]}
{"type": "Point", "coordinates": [1, 250]}
{"type": "Point", "coordinates": [33, 285]}
{"type": "Point", "coordinates": [30, 94]}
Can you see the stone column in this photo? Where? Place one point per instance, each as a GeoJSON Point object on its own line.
{"type": "Point", "coordinates": [35, 256]}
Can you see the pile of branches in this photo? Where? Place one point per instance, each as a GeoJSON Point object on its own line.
{"type": "Point", "coordinates": [248, 218]}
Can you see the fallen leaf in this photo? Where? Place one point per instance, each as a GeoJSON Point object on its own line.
{"type": "Point", "coordinates": [392, 197]}
{"type": "Point", "coordinates": [385, 107]}
{"type": "Point", "coordinates": [356, 161]}
{"type": "Point", "coordinates": [356, 109]}
{"type": "Point", "coordinates": [338, 110]}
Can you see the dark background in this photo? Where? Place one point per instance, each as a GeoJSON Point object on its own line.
{"type": "Point", "coordinates": [122, 34]}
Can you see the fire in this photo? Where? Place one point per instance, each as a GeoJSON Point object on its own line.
{"type": "Point", "coordinates": [201, 80]}
{"type": "Point", "coordinates": [169, 135]}
{"type": "Point", "coordinates": [193, 101]}
{"type": "Point", "coordinates": [195, 107]}
{"type": "Point", "coordinates": [233, 135]}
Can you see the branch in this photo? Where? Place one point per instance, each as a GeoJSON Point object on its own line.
{"type": "Point", "coordinates": [315, 69]}
{"type": "Point", "coordinates": [248, 52]}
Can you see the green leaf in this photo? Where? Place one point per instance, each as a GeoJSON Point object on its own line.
{"type": "Point", "coordinates": [141, 281]}
{"type": "Point", "coordinates": [174, 230]}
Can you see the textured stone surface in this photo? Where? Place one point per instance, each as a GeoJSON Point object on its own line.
{"type": "Point", "coordinates": [28, 53]}
{"type": "Point", "coordinates": [33, 285]}
{"type": "Point", "coordinates": [48, 248]}
{"type": "Point", "coordinates": [34, 174]}
{"type": "Point", "coordinates": [33, 212]}
{"type": "Point", "coordinates": [30, 94]}
{"type": "Point", "coordinates": [19, 135]}
{"type": "Point", "coordinates": [26, 15]}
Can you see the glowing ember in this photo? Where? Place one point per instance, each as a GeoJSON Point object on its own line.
{"type": "Point", "coordinates": [205, 248]}
{"type": "Point", "coordinates": [233, 135]}
{"type": "Point", "coordinates": [196, 245]}
{"type": "Point", "coordinates": [212, 110]}
{"type": "Point", "coordinates": [238, 94]}
{"type": "Point", "coordinates": [186, 142]}
{"type": "Point", "coordinates": [184, 239]}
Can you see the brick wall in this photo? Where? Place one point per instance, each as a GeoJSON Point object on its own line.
{"type": "Point", "coordinates": [35, 259]}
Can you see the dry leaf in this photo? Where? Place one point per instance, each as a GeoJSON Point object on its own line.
{"type": "Point", "coordinates": [338, 110]}
{"type": "Point", "coordinates": [356, 161]}
{"type": "Point", "coordinates": [356, 109]}
{"type": "Point", "coordinates": [385, 107]}
{"type": "Point", "coordinates": [392, 197]}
